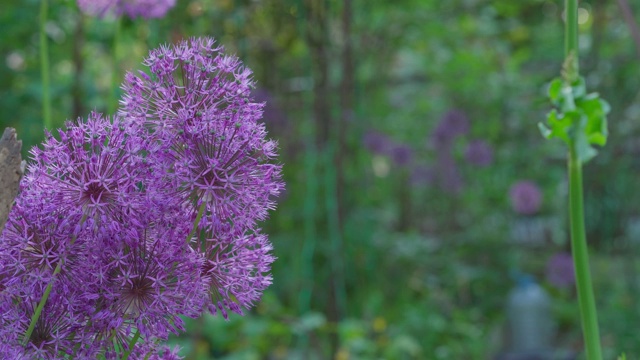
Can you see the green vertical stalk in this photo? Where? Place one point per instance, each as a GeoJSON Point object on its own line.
{"type": "Point", "coordinates": [132, 343]}
{"type": "Point", "coordinates": [571, 31]}
{"type": "Point", "coordinates": [310, 230]}
{"type": "Point", "coordinates": [337, 256]}
{"type": "Point", "coordinates": [194, 229]}
{"type": "Point", "coordinates": [44, 66]}
{"type": "Point", "coordinates": [115, 78]}
{"type": "Point", "coordinates": [586, 299]}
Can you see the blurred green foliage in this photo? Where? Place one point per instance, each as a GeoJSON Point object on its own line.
{"type": "Point", "coordinates": [370, 264]}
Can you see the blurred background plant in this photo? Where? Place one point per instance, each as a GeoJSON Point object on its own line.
{"type": "Point", "coordinates": [418, 184]}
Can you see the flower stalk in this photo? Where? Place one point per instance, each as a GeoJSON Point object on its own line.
{"type": "Point", "coordinates": [44, 65]}
{"type": "Point", "coordinates": [580, 252]}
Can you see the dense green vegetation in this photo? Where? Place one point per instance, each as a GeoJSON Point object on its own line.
{"type": "Point", "coordinates": [393, 241]}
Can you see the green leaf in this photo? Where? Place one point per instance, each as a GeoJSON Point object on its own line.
{"type": "Point", "coordinates": [567, 102]}
{"type": "Point", "coordinates": [544, 130]}
{"type": "Point", "coordinates": [578, 88]}
{"type": "Point", "coordinates": [579, 119]}
{"type": "Point", "coordinates": [555, 87]}
{"type": "Point", "coordinates": [583, 147]}
{"type": "Point", "coordinates": [560, 125]}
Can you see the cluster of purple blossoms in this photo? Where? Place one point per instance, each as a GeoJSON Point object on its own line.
{"type": "Point", "coordinates": [376, 142]}
{"type": "Point", "coordinates": [526, 197]}
{"type": "Point", "coordinates": [454, 123]}
{"type": "Point", "coordinates": [560, 271]}
{"type": "Point", "coordinates": [125, 224]}
{"type": "Point", "coordinates": [146, 9]}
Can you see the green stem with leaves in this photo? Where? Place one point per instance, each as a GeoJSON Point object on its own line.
{"type": "Point", "coordinates": [44, 66]}
{"type": "Point", "coordinates": [586, 299]}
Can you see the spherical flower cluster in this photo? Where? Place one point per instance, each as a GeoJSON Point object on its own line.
{"type": "Point", "coordinates": [125, 224]}
{"type": "Point", "coordinates": [376, 142]}
{"type": "Point", "coordinates": [454, 123]}
{"type": "Point", "coordinates": [146, 9]}
{"type": "Point", "coordinates": [214, 156]}
{"type": "Point", "coordinates": [559, 271]}
{"type": "Point", "coordinates": [526, 197]}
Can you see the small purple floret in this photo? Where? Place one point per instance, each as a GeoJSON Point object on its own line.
{"type": "Point", "coordinates": [560, 272]}
{"type": "Point", "coordinates": [526, 197]}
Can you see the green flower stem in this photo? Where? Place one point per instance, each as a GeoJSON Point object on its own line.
{"type": "Point", "coordinates": [44, 66]}
{"type": "Point", "coordinates": [115, 78]}
{"type": "Point", "coordinates": [586, 299]}
{"type": "Point", "coordinates": [132, 343]}
{"type": "Point", "coordinates": [571, 32]}
{"type": "Point", "coordinates": [47, 291]}
{"type": "Point", "coordinates": [197, 221]}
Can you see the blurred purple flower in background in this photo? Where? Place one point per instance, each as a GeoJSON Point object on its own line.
{"type": "Point", "coordinates": [526, 197]}
{"type": "Point", "coordinates": [401, 154]}
{"type": "Point", "coordinates": [453, 124]}
{"type": "Point", "coordinates": [560, 272]}
{"type": "Point", "coordinates": [146, 9]}
{"type": "Point", "coordinates": [377, 143]}
{"type": "Point", "coordinates": [479, 153]}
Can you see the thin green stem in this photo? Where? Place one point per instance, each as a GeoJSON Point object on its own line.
{"type": "Point", "coordinates": [571, 29]}
{"type": "Point", "coordinates": [586, 299]}
{"type": "Point", "coordinates": [197, 221]}
{"type": "Point", "coordinates": [47, 291]}
{"type": "Point", "coordinates": [115, 79]}
{"type": "Point", "coordinates": [44, 66]}
{"type": "Point", "coordinates": [132, 343]}
{"type": "Point", "coordinates": [335, 234]}
{"type": "Point", "coordinates": [571, 37]}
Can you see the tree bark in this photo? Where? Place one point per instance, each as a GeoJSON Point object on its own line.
{"type": "Point", "coordinates": [10, 172]}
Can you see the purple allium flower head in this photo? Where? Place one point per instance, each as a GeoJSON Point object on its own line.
{"type": "Point", "coordinates": [107, 215]}
{"type": "Point", "coordinates": [479, 153]}
{"type": "Point", "coordinates": [236, 266]}
{"type": "Point", "coordinates": [453, 124]}
{"type": "Point", "coordinates": [151, 275]}
{"type": "Point", "coordinates": [94, 167]}
{"type": "Point", "coordinates": [37, 238]}
{"type": "Point", "coordinates": [376, 142]}
{"type": "Point", "coordinates": [560, 272]}
{"type": "Point", "coordinates": [132, 8]}
{"type": "Point", "coordinates": [196, 103]}
{"type": "Point", "coordinates": [58, 329]}
{"type": "Point", "coordinates": [526, 197]}
{"type": "Point", "coordinates": [401, 154]}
